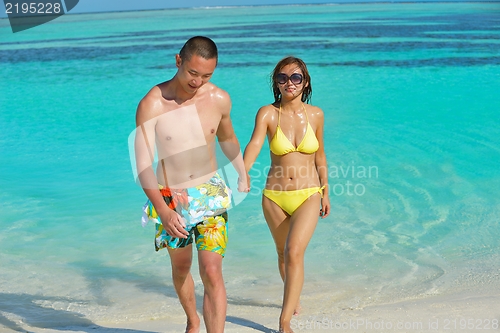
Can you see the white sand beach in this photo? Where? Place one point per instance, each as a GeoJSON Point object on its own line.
{"type": "Point", "coordinates": [461, 312]}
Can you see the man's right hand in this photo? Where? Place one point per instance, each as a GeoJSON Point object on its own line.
{"type": "Point", "coordinates": [173, 223]}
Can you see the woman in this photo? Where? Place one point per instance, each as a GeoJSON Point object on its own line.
{"type": "Point", "coordinates": [296, 184]}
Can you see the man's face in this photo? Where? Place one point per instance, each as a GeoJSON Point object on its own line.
{"type": "Point", "coordinates": [195, 72]}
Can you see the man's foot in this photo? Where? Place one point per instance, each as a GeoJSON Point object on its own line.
{"type": "Point", "coordinates": [193, 326]}
{"type": "Point", "coordinates": [192, 329]}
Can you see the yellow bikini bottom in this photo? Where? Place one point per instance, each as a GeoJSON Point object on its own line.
{"type": "Point", "coordinates": [289, 201]}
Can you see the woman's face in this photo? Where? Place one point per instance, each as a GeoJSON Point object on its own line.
{"type": "Point", "coordinates": [290, 81]}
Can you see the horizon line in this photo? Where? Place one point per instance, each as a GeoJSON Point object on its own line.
{"type": "Point", "coordinates": [360, 2]}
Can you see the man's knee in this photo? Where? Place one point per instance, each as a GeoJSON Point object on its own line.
{"type": "Point", "coordinates": [211, 271]}
{"type": "Point", "coordinates": [181, 263]}
{"type": "Point", "coordinates": [212, 278]}
{"type": "Point", "coordinates": [181, 269]}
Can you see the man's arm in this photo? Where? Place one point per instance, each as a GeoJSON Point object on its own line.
{"type": "Point", "coordinates": [146, 119]}
{"type": "Point", "coordinates": [228, 141]}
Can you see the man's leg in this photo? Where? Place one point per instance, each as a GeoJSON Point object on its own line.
{"type": "Point", "coordinates": [181, 260]}
{"type": "Point", "coordinates": [214, 299]}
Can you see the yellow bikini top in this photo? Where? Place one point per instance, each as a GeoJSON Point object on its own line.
{"type": "Point", "coordinates": [280, 145]}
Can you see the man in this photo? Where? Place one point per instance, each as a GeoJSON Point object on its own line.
{"type": "Point", "coordinates": [179, 120]}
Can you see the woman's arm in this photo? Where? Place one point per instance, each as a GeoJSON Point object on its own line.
{"type": "Point", "coordinates": [254, 147]}
{"type": "Point", "coordinates": [321, 165]}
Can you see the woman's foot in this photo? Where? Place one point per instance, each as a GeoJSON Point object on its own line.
{"type": "Point", "coordinates": [297, 310]}
{"type": "Point", "coordinates": [285, 329]}
{"type": "Point", "coordinates": [285, 326]}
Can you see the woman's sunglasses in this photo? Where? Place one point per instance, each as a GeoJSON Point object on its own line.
{"type": "Point", "coordinates": [295, 78]}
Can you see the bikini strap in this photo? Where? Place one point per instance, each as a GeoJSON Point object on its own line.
{"type": "Point", "coordinates": [279, 116]}
{"type": "Point", "coordinates": [321, 190]}
{"type": "Point", "coordinates": [305, 110]}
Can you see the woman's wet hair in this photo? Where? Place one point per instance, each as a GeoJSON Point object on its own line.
{"type": "Point", "coordinates": [290, 60]}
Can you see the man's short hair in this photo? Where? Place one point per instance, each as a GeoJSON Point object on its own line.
{"type": "Point", "coordinates": [201, 46]}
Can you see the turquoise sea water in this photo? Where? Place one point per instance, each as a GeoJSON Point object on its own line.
{"type": "Point", "coordinates": [411, 99]}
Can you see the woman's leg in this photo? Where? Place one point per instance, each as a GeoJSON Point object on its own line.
{"type": "Point", "coordinates": [291, 235]}
{"type": "Point", "coordinates": [302, 225]}
{"type": "Point", "coordinates": [279, 223]}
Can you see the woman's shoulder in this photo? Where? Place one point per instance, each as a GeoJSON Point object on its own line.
{"type": "Point", "coordinates": [268, 112]}
{"type": "Point", "coordinates": [269, 108]}
{"type": "Point", "coordinates": [314, 111]}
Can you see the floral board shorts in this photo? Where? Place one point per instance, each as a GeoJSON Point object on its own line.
{"type": "Point", "coordinates": [204, 209]}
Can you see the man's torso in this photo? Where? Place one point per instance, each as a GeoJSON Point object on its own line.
{"type": "Point", "coordinates": [185, 140]}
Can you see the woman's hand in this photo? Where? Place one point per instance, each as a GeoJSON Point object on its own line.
{"type": "Point", "coordinates": [325, 206]}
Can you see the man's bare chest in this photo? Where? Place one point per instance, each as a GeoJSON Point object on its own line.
{"type": "Point", "coordinates": [186, 128]}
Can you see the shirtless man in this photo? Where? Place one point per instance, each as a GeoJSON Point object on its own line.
{"type": "Point", "coordinates": [179, 120]}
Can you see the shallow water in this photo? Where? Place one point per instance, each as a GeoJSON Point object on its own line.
{"type": "Point", "coordinates": [410, 95]}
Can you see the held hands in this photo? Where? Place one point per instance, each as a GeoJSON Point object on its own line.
{"type": "Point", "coordinates": [173, 223]}
{"type": "Point", "coordinates": [244, 183]}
